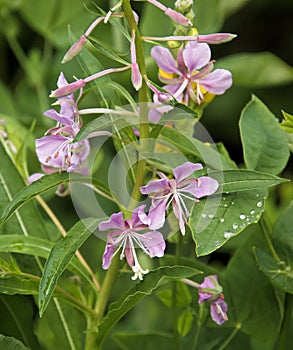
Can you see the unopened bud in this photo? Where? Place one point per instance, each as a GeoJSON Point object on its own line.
{"type": "Point", "coordinates": [67, 89]}
{"type": "Point", "coordinates": [216, 38]}
{"type": "Point", "coordinates": [183, 6]}
{"type": "Point", "coordinates": [136, 77]}
{"type": "Point", "coordinates": [75, 49]}
{"type": "Point", "coordinates": [178, 17]}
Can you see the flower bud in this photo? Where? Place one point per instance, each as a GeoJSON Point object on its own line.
{"type": "Point", "coordinates": [183, 6]}
{"type": "Point", "coordinates": [75, 49]}
{"type": "Point", "coordinates": [67, 89]}
{"type": "Point", "coordinates": [216, 38]}
{"type": "Point", "coordinates": [178, 17]}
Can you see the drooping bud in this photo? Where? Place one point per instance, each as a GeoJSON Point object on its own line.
{"type": "Point", "coordinates": [67, 89]}
{"type": "Point", "coordinates": [136, 77]}
{"type": "Point", "coordinates": [178, 17]}
{"type": "Point", "coordinates": [75, 49]}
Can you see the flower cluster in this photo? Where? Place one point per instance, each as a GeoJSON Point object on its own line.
{"type": "Point", "coordinates": [190, 79]}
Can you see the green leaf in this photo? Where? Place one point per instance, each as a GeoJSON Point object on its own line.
{"type": "Point", "coordinates": [217, 219]}
{"type": "Point", "coordinates": [183, 296]}
{"type": "Point", "coordinates": [38, 247]}
{"type": "Point", "coordinates": [131, 341]}
{"type": "Point", "coordinates": [264, 70]}
{"type": "Point", "coordinates": [60, 256]}
{"type": "Point", "coordinates": [42, 185]}
{"type": "Point", "coordinates": [17, 318]}
{"type": "Point", "coordinates": [10, 343]}
{"type": "Point", "coordinates": [265, 144]}
{"type": "Point", "coordinates": [128, 300]}
{"type": "Point", "coordinates": [16, 283]}
{"type": "Point", "coordinates": [287, 124]}
{"type": "Point", "coordinates": [185, 321]}
{"type": "Point", "coordinates": [280, 272]}
{"type": "Point", "coordinates": [243, 180]}
{"type": "Point", "coordinates": [255, 303]}
{"type": "Point", "coordinates": [205, 152]}
{"type": "Point", "coordinates": [231, 6]}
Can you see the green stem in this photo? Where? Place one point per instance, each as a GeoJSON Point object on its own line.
{"type": "Point", "coordinates": [283, 341]}
{"type": "Point", "coordinates": [231, 336]}
{"type": "Point", "coordinates": [143, 99]}
{"type": "Point", "coordinates": [174, 297]}
{"type": "Point", "coordinates": [266, 234]}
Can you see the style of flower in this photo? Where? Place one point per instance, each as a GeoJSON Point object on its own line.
{"type": "Point", "coordinates": [190, 77]}
{"type": "Point", "coordinates": [56, 150]}
{"type": "Point", "coordinates": [165, 191]}
{"type": "Point", "coordinates": [127, 235]}
{"type": "Point", "coordinates": [210, 290]}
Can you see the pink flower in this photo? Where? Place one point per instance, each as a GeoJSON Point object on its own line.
{"type": "Point", "coordinates": [190, 77]}
{"type": "Point", "coordinates": [210, 290]}
{"type": "Point", "coordinates": [175, 191]}
{"type": "Point", "coordinates": [126, 235]}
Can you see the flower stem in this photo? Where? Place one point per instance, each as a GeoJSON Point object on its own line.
{"type": "Point", "coordinates": [231, 336]}
{"type": "Point", "coordinates": [143, 99]}
{"type": "Point", "coordinates": [174, 297]}
{"type": "Point", "coordinates": [265, 231]}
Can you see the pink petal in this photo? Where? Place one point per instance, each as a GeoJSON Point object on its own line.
{"type": "Point", "coordinates": [165, 60]}
{"type": "Point", "coordinates": [61, 118]}
{"type": "Point", "coordinates": [217, 82]}
{"type": "Point", "coordinates": [218, 311]}
{"type": "Point", "coordinates": [115, 222]}
{"type": "Point", "coordinates": [51, 150]}
{"type": "Point", "coordinates": [155, 186]}
{"type": "Point", "coordinates": [34, 177]}
{"type": "Point", "coordinates": [196, 55]}
{"type": "Point", "coordinates": [183, 171]}
{"type": "Point", "coordinates": [157, 213]}
{"type": "Point", "coordinates": [204, 186]}
{"type": "Point", "coordinates": [154, 242]}
{"type": "Point", "coordinates": [108, 255]}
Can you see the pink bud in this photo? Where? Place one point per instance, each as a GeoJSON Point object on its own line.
{"type": "Point", "coordinates": [136, 77]}
{"type": "Point", "coordinates": [216, 38]}
{"type": "Point", "coordinates": [178, 17]}
{"type": "Point", "coordinates": [67, 89]}
{"type": "Point", "coordinates": [75, 49]}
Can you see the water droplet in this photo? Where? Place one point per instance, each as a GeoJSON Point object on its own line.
{"type": "Point", "coordinates": [242, 216]}
{"type": "Point", "coordinates": [225, 205]}
{"type": "Point", "coordinates": [242, 225]}
{"type": "Point", "coordinates": [203, 215]}
{"type": "Point", "coordinates": [228, 234]}
{"type": "Point", "coordinates": [247, 219]}
{"type": "Point", "coordinates": [222, 220]}
{"type": "Point", "coordinates": [211, 216]}
{"type": "Point", "coordinates": [232, 203]}
{"type": "Point", "coordinates": [217, 243]}
{"type": "Point", "coordinates": [224, 198]}
{"type": "Point", "coordinates": [252, 212]}
{"type": "Point", "coordinates": [257, 195]}
{"type": "Point", "coordinates": [259, 204]}
{"type": "Point", "coordinates": [227, 192]}
{"type": "Point", "coordinates": [235, 226]}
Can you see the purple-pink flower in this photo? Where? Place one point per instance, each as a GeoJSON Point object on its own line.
{"type": "Point", "coordinates": [57, 150]}
{"type": "Point", "coordinates": [210, 290]}
{"type": "Point", "coordinates": [190, 77]}
{"type": "Point", "coordinates": [165, 191]}
{"type": "Point", "coordinates": [129, 234]}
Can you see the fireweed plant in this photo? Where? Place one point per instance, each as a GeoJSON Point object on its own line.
{"type": "Point", "coordinates": [172, 199]}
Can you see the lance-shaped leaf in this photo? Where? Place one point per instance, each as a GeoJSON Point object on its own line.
{"type": "Point", "coordinates": [265, 143]}
{"type": "Point", "coordinates": [17, 283]}
{"type": "Point", "coordinates": [60, 256]}
{"type": "Point", "coordinates": [128, 300]}
{"type": "Point", "coordinates": [38, 247]}
{"type": "Point", "coordinates": [10, 343]}
{"type": "Point", "coordinates": [45, 184]}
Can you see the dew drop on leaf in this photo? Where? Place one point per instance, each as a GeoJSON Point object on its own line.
{"type": "Point", "coordinates": [228, 234]}
{"type": "Point", "coordinates": [204, 215]}
{"type": "Point", "coordinates": [242, 216]}
{"type": "Point", "coordinates": [222, 220]}
{"type": "Point", "coordinates": [217, 243]}
{"type": "Point", "coordinates": [259, 204]}
{"type": "Point", "coordinates": [235, 226]}
{"type": "Point", "coordinates": [211, 216]}
{"type": "Point", "coordinates": [252, 212]}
